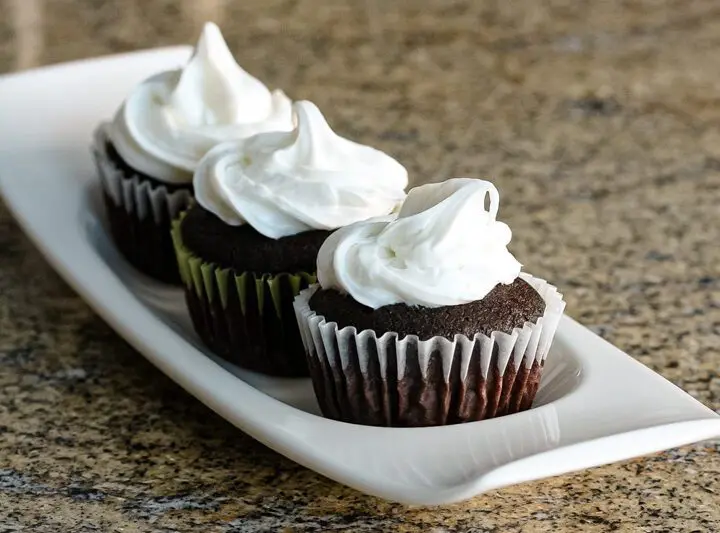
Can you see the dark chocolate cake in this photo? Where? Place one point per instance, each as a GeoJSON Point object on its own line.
{"type": "Point", "coordinates": [243, 249]}
{"type": "Point", "coordinates": [429, 398]}
{"type": "Point", "coordinates": [144, 240]}
{"type": "Point", "coordinates": [505, 308]}
{"type": "Point", "coordinates": [257, 330]}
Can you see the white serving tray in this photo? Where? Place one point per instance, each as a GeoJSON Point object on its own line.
{"type": "Point", "coordinates": [595, 405]}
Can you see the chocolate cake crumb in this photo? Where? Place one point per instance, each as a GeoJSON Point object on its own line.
{"type": "Point", "coordinates": [245, 249]}
{"type": "Point", "coordinates": [504, 308]}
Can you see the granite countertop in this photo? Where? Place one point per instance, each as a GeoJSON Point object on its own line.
{"type": "Point", "coordinates": [598, 121]}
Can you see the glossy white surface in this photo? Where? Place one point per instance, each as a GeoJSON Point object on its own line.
{"type": "Point", "coordinates": [596, 405]}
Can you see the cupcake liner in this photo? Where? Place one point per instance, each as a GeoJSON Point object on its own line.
{"type": "Point", "coordinates": [364, 378]}
{"type": "Point", "coordinates": [246, 318]}
{"type": "Point", "coordinates": [140, 212]}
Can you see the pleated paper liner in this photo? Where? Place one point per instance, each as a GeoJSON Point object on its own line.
{"type": "Point", "coordinates": [247, 319]}
{"type": "Point", "coordinates": [140, 213]}
{"type": "Point", "coordinates": [364, 378]}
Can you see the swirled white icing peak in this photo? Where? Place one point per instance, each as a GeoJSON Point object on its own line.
{"type": "Point", "coordinates": [444, 248]}
{"type": "Point", "coordinates": [171, 120]}
{"type": "Point", "coordinates": [284, 183]}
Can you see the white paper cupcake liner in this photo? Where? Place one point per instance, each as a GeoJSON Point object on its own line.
{"type": "Point", "coordinates": [138, 196]}
{"type": "Point", "coordinates": [140, 212]}
{"type": "Point", "coordinates": [385, 380]}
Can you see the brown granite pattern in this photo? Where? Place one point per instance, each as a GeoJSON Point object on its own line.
{"type": "Point", "coordinates": [599, 122]}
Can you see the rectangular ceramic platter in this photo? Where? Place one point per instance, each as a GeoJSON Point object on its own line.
{"type": "Point", "coordinates": [596, 404]}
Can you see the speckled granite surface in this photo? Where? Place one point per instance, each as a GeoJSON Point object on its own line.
{"type": "Point", "coordinates": [599, 122]}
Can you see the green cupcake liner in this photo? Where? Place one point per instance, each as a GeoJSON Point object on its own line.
{"type": "Point", "coordinates": [245, 317]}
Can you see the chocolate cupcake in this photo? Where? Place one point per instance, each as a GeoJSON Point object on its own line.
{"type": "Point", "coordinates": [249, 245]}
{"type": "Point", "coordinates": [147, 155]}
{"type": "Point", "coordinates": [426, 319]}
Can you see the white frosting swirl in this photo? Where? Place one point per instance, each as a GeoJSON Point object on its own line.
{"type": "Point", "coordinates": [444, 248]}
{"type": "Point", "coordinates": [171, 120]}
{"type": "Point", "coordinates": [284, 183]}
